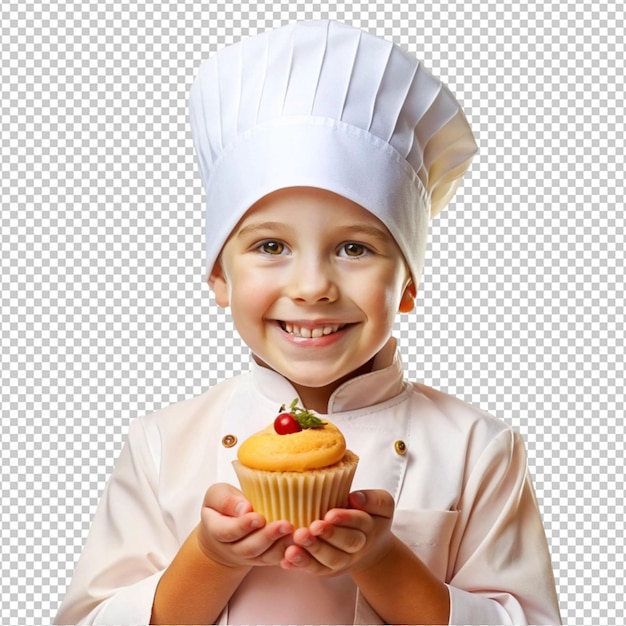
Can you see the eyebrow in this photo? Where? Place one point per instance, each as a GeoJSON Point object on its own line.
{"type": "Point", "coordinates": [356, 229]}
{"type": "Point", "coordinates": [251, 228]}
{"type": "Point", "coordinates": [372, 231]}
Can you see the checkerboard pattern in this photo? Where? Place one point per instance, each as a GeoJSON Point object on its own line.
{"type": "Point", "coordinates": [105, 314]}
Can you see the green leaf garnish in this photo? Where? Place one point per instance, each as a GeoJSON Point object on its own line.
{"type": "Point", "coordinates": [304, 417]}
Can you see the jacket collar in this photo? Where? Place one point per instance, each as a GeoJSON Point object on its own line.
{"type": "Point", "coordinates": [383, 382]}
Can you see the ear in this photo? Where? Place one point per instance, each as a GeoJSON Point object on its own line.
{"type": "Point", "coordinates": [219, 285]}
{"type": "Point", "coordinates": [407, 303]}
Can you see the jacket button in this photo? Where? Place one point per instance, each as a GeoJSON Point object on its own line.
{"type": "Point", "coordinates": [400, 447]}
{"type": "Point", "coordinates": [228, 441]}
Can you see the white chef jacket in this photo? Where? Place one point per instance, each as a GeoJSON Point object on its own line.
{"type": "Point", "coordinates": [459, 478]}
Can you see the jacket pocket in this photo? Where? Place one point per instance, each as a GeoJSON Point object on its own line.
{"type": "Point", "coordinates": [427, 533]}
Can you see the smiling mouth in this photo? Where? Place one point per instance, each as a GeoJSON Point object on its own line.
{"type": "Point", "coordinates": [310, 333]}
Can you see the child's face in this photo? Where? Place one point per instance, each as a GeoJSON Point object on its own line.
{"type": "Point", "coordinates": [314, 282]}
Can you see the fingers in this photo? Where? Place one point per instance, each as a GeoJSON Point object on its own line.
{"type": "Point", "coordinates": [326, 548]}
{"type": "Point", "coordinates": [350, 539]}
{"type": "Point", "coordinates": [318, 559]}
{"type": "Point", "coordinates": [297, 557]}
{"type": "Point", "coordinates": [228, 514]}
{"type": "Point", "coordinates": [376, 502]}
{"type": "Point", "coordinates": [227, 500]}
{"type": "Point", "coordinates": [244, 540]}
{"type": "Point", "coordinates": [267, 546]}
{"type": "Point", "coordinates": [233, 534]}
{"type": "Point", "coordinates": [345, 538]}
{"type": "Point", "coordinates": [321, 557]}
{"type": "Point", "coordinates": [228, 529]}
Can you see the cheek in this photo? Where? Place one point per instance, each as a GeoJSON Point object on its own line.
{"type": "Point", "coordinates": [249, 301]}
{"type": "Point", "coordinates": [390, 293]}
{"type": "Point", "coordinates": [380, 305]}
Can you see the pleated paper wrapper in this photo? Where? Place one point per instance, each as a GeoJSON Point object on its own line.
{"type": "Point", "coordinates": [299, 497]}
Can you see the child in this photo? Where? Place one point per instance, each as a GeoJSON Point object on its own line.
{"type": "Point", "coordinates": [323, 151]}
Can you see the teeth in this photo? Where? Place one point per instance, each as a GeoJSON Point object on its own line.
{"type": "Point", "coordinates": [310, 333]}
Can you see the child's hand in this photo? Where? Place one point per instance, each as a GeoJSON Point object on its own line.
{"type": "Point", "coordinates": [346, 539]}
{"type": "Point", "coordinates": [231, 534]}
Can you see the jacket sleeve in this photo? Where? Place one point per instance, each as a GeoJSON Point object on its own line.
{"type": "Point", "coordinates": [128, 547]}
{"type": "Point", "coordinates": [500, 571]}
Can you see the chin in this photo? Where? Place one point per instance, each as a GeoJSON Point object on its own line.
{"type": "Point", "coordinates": [322, 380]}
{"type": "Point", "coordinates": [313, 382]}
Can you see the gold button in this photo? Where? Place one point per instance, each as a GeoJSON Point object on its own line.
{"type": "Point", "coordinates": [228, 441]}
{"type": "Point", "coordinates": [400, 447]}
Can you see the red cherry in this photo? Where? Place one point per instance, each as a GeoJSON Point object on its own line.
{"type": "Point", "coordinates": [286, 424]}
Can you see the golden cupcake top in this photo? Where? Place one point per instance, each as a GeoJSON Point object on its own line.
{"type": "Point", "coordinates": [297, 441]}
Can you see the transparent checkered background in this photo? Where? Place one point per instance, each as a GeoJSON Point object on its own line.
{"type": "Point", "coordinates": [105, 315]}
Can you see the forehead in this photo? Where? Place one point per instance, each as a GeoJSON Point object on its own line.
{"type": "Point", "coordinates": [312, 204]}
{"type": "Point", "coordinates": [314, 215]}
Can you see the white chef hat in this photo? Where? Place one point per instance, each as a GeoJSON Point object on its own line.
{"type": "Point", "coordinates": [323, 104]}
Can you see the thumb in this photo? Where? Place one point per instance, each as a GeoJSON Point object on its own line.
{"type": "Point", "coordinates": [227, 500]}
{"type": "Point", "coordinates": [376, 502]}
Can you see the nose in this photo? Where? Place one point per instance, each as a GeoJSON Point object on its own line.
{"type": "Point", "coordinates": [312, 281]}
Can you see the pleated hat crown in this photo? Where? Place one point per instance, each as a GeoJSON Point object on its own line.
{"type": "Point", "coordinates": [323, 104]}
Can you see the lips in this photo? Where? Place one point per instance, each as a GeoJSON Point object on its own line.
{"type": "Point", "coordinates": [310, 332]}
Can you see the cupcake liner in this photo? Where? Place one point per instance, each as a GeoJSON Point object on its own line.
{"type": "Point", "coordinates": [299, 497]}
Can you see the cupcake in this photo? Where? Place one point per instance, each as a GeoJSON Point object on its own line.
{"type": "Point", "coordinates": [297, 468]}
